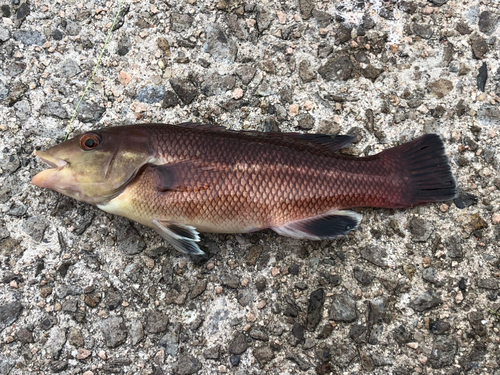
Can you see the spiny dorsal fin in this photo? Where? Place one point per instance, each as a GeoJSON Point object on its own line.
{"type": "Point", "coordinates": [333, 143]}
{"type": "Point", "coordinates": [330, 142]}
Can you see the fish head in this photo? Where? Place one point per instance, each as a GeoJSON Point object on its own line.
{"type": "Point", "coordinates": [96, 166]}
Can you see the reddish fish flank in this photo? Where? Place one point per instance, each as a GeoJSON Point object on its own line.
{"type": "Point", "coordinates": [200, 178]}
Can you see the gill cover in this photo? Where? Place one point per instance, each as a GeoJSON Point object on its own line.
{"type": "Point", "coordinates": [96, 166]}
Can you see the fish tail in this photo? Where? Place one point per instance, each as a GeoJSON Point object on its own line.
{"type": "Point", "coordinates": [426, 169]}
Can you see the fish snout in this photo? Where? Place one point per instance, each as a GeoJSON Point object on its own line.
{"type": "Point", "coordinates": [46, 178]}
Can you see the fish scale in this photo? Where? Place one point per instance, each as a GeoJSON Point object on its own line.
{"type": "Point", "coordinates": [299, 184]}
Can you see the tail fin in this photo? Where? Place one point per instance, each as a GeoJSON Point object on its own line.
{"type": "Point", "coordinates": [424, 165]}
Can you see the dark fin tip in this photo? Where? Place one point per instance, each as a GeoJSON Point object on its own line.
{"type": "Point", "coordinates": [190, 247]}
{"type": "Point", "coordinates": [328, 226]}
{"type": "Point", "coordinates": [174, 235]}
{"type": "Point", "coordinates": [184, 232]}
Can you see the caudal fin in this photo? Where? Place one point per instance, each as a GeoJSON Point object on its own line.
{"type": "Point", "coordinates": [426, 168]}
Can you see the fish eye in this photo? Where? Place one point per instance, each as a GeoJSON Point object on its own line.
{"type": "Point", "coordinates": [89, 141]}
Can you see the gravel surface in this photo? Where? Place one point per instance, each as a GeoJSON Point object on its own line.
{"type": "Point", "coordinates": [410, 292]}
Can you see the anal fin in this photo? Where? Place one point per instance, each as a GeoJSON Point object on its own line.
{"type": "Point", "coordinates": [327, 226]}
{"type": "Point", "coordinates": [182, 237]}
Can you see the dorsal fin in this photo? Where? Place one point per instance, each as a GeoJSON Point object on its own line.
{"type": "Point", "coordinates": [332, 143]}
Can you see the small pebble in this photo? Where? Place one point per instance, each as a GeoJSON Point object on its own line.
{"type": "Point", "coordinates": [235, 360]}
{"type": "Point", "coordinates": [13, 284]}
{"type": "Point", "coordinates": [102, 355]}
{"type": "Point", "coordinates": [150, 263]}
{"type": "Point", "coordinates": [160, 357]}
{"type": "Point", "coordinates": [427, 262]}
{"type": "Point", "coordinates": [439, 254]}
{"type": "Point", "coordinates": [486, 172]}
{"type": "Point", "coordinates": [218, 290]}
{"type": "Point", "coordinates": [245, 281]}
{"type": "Point", "coordinates": [124, 78]}
{"type": "Point", "coordinates": [293, 109]}
{"type": "Point", "coordinates": [459, 297]}
{"type": "Point", "coordinates": [308, 105]}
{"type": "Point", "coordinates": [495, 219]}
{"type": "Point", "coordinates": [261, 304]}
{"type": "Point", "coordinates": [275, 271]}
{"type": "Point", "coordinates": [428, 9]}
{"type": "Point", "coordinates": [394, 48]}
{"type": "Point", "coordinates": [138, 107]}
{"type": "Point", "coordinates": [281, 17]}
{"type": "Point", "coordinates": [83, 353]}
{"type": "Point", "coordinates": [237, 93]}
{"type": "Point", "coordinates": [444, 207]}
{"type": "Point", "coordinates": [251, 317]}
{"type": "Point", "coordinates": [251, 22]}
{"type": "Point", "coordinates": [210, 266]}
{"type": "Point", "coordinates": [413, 345]}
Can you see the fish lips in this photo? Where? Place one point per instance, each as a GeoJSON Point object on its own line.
{"type": "Point", "coordinates": [48, 177]}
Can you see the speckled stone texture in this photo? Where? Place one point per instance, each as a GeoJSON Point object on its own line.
{"type": "Point", "coordinates": [410, 291]}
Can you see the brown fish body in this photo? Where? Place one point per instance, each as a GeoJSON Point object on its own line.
{"type": "Point", "coordinates": [234, 182]}
{"type": "Point", "coordinates": [214, 180]}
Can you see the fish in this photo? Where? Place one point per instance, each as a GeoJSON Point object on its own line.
{"type": "Point", "coordinates": [189, 178]}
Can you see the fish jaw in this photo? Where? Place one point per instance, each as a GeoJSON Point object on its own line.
{"type": "Point", "coordinates": [51, 160]}
{"type": "Point", "coordinates": [47, 178]}
{"type": "Point", "coordinates": [59, 178]}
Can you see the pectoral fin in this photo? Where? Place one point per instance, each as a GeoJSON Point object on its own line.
{"type": "Point", "coordinates": [183, 176]}
{"type": "Point", "coordinates": [326, 226]}
{"type": "Point", "coordinates": [182, 237]}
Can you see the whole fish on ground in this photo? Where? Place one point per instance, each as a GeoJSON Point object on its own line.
{"type": "Point", "coordinates": [181, 179]}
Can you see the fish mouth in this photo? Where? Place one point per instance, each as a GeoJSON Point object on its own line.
{"type": "Point", "coordinates": [50, 160]}
{"type": "Point", "coordinates": [44, 178]}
